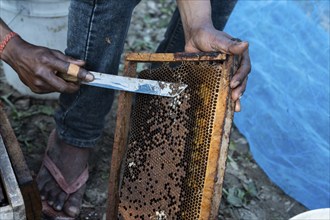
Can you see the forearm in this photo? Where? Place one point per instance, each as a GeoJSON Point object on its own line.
{"type": "Point", "coordinates": [195, 14]}
{"type": "Point", "coordinates": [4, 29]}
{"type": "Point", "coordinates": [201, 36]}
{"type": "Point", "coordinates": [10, 44]}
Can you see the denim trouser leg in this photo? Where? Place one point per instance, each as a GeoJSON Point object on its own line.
{"type": "Point", "coordinates": [97, 31]}
{"type": "Point", "coordinates": [174, 36]}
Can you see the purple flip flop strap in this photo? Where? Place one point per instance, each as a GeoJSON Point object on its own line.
{"type": "Point", "coordinates": [56, 173]}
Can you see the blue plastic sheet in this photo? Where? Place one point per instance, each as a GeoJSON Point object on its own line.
{"type": "Point", "coordinates": [285, 109]}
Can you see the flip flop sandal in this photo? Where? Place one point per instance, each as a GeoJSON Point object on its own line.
{"type": "Point", "coordinates": [49, 211]}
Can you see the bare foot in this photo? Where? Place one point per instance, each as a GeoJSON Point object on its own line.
{"type": "Point", "coordinates": [71, 161]}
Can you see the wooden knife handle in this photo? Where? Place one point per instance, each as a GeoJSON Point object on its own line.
{"type": "Point", "coordinates": [67, 77]}
{"type": "Point", "coordinates": [72, 73]}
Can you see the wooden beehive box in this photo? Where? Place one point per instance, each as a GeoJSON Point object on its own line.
{"type": "Point", "coordinates": [14, 208]}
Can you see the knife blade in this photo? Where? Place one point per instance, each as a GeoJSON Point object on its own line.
{"type": "Point", "coordinates": [136, 85]}
{"type": "Point", "coordinates": [129, 84]}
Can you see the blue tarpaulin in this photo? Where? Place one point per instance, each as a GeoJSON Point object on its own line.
{"type": "Point", "coordinates": [285, 109]}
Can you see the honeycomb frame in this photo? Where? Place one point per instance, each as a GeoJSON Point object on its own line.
{"type": "Point", "coordinates": [189, 148]}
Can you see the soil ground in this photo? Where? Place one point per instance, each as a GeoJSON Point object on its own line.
{"type": "Point", "coordinates": [247, 193]}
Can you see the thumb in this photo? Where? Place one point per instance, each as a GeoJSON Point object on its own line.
{"type": "Point", "coordinates": [229, 45]}
{"type": "Point", "coordinates": [237, 47]}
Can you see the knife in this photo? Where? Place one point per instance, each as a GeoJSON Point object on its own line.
{"type": "Point", "coordinates": [124, 83]}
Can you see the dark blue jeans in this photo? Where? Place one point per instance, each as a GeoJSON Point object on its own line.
{"type": "Point", "coordinates": [96, 33]}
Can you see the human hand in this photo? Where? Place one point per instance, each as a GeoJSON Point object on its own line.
{"type": "Point", "coordinates": [208, 39]}
{"type": "Point", "coordinates": [37, 67]}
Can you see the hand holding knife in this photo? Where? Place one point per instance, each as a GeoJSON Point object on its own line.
{"type": "Point", "coordinates": [129, 84]}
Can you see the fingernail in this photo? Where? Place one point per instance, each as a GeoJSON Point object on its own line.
{"type": "Point", "coordinates": [234, 84]}
{"type": "Point", "coordinates": [89, 77]}
{"type": "Point", "coordinates": [238, 108]}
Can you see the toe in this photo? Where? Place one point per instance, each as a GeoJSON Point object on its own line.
{"type": "Point", "coordinates": [53, 195]}
{"type": "Point", "coordinates": [59, 201]}
{"type": "Point", "coordinates": [73, 204]}
{"type": "Point", "coordinates": [72, 211]}
{"type": "Point", "coordinates": [45, 190]}
{"type": "Point", "coordinates": [42, 178]}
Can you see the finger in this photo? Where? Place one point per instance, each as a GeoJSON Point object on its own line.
{"type": "Point", "coordinates": [237, 47]}
{"type": "Point", "coordinates": [41, 83]}
{"type": "Point", "coordinates": [242, 72]}
{"type": "Point", "coordinates": [50, 82]}
{"type": "Point", "coordinates": [80, 73]}
{"type": "Point", "coordinates": [239, 91]}
{"type": "Point", "coordinates": [75, 70]}
{"type": "Point", "coordinates": [229, 45]}
{"type": "Point", "coordinates": [40, 87]}
{"type": "Point", "coordinates": [36, 85]}
{"type": "Point", "coordinates": [47, 81]}
{"type": "Point", "coordinates": [68, 59]}
{"type": "Point", "coordinates": [62, 86]}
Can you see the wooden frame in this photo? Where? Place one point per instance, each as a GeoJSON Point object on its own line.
{"type": "Point", "coordinates": [212, 191]}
